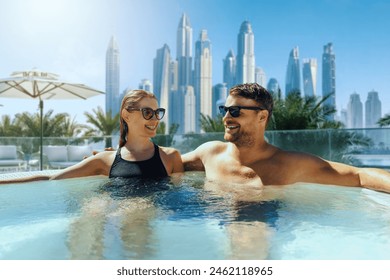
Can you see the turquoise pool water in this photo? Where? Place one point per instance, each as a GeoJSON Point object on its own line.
{"type": "Point", "coordinates": [190, 218]}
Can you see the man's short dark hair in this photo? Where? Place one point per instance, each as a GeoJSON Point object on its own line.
{"type": "Point", "coordinates": [256, 92]}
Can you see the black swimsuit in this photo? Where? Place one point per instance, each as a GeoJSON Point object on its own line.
{"type": "Point", "coordinates": [150, 168]}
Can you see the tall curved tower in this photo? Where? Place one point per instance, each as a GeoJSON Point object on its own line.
{"type": "Point", "coordinates": [112, 77]}
{"type": "Point", "coordinates": [245, 60]}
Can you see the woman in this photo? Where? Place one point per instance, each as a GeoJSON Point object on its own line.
{"type": "Point", "coordinates": [137, 156]}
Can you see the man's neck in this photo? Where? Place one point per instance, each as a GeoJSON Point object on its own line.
{"type": "Point", "coordinates": [249, 154]}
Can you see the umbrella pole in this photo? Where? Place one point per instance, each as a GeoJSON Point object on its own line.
{"type": "Point", "coordinates": [41, 137]}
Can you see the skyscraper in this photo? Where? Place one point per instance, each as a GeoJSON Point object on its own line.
{"type": "Point", "coordinates": [344, 117]}
{"type": "Point", "coordinates": [203, 77]}
{"type": "Point", "coordinates": [190, 110]}
{"type": "Point", "coordinates": [184, 66]}
{"type": "Point", "coordinates": [355, 111]}
{"type": "Point", "coordinates": [219, 97]}
{"type": "Point", "coordinates": [161, 80]}
{"type": "Point", "coordinates": [274, 88]}
{"type": "Point", "coordinates": [245, 72]}
{"type": "Point", "coordinates": [184, 51]}
{"type": "Point", "coordinates": [112, 78]}
{"type": "Point", "coordinates": [373, 110]}
{"type": "Point", "coordinates": [329, 76]}
{"type": "Point", "coordinates": [260, 77]}
{"type": "Point", "coordinates": [229, 69]}
{"type": "Point", "coordinates": [293, 75]}
{"type": "Point", "coordinates": [146, 85]}
{"type": "Point", "coordinates": [309, 74]}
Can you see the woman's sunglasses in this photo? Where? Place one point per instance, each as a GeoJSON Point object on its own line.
{"type": "Point", "coordinates": [234, 111]}
{"type": "Point", "coordinates": [148, 113]}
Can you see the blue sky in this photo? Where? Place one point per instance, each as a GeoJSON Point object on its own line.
{"type": "Point", "coordinates": [70, 38]}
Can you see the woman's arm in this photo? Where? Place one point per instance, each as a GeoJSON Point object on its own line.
{"type": "Point", "coordinates": [96, 165]}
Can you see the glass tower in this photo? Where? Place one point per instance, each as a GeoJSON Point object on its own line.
{"type": "Point", "coordinates": [161, 80]}
{"type": "Point", "coordinates": [373, 110]}
{"type": "Point", "coordinates": [274, 88]}
{"type": "Point", "coordinates": [355, 111]}
{"type": "Point", "coordinates": [329, 76]}
{"type": "Point", "coordinates": [293, 80]}
{"type": "Point", "coordinates": [229, 69]}
{"type": "Point", "coordinates": [112, 78]}
{"type": "Point", "coordinates": [309, 74]}
{"type": "Point", "coordinates": [203, 77]}
{"type": "Point", "coordinates": [181, 102]}
{"type": "Point", "coordinates": [245, 72]}
{"type": "Point", "coordinates": [184, 51]}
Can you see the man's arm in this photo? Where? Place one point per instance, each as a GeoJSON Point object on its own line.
{"type": "Point", "coordinates": [375, 179]}
{"type": "Point", "coordinates": [347, 175]}
{"type": "Point", "coordinates": [192, 161]}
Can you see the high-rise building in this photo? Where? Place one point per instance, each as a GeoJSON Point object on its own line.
{"type": "Point", "coordinates": [245, 72]}
{"type": "Point", "coordinates": [293, 74]}
{"type": "Point", "coordinates": [203, 77]}
{"type": "Point", "coordinates": [274, 88]}
{"type": "Point", "coordinates": [184, 71]}
{"type": "Point", "coordinates": [355, 111]}
{"type": "Point", "coordinates": [219, 97]}
{"type": "Point", "coordinates": [190, 110]}
{"type": "Point", "coordinates": [309, 75]}
{"type": "Point", "coordinates": [260, 77]}
{"type": "Point", "coordinates": [173, 76]}
{"type": "Point", "coordinates": [146, 85]}
{"type": "Point", "coordinates": [344, 117]}
{"type": "Point", "coordinates": [329, 76]}
{"type": "Point", "coordinates": [373, 110]}
{"type": "Point", "coordinates": [112, 78]}
{"type": "Point", "coordinates": [176, 99]}
{"type": "Point", "coordinates": [161, 80]}
{"type": "Point", "coordinates": [229, 69]}
{"type": "Point", "coordinates": [184, 51]}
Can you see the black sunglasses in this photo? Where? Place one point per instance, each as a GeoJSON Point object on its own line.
{"type": "Point", "coordinates": [148, 113]}
{"type": "Point", "coordinates": [234, 111]}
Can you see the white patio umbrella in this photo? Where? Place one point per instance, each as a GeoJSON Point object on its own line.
{"type": "Point", "coordinates": [43, 85]}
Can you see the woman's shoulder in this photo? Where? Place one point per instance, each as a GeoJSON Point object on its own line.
{"type": "Point", "coordinates": [169, 151]}
{"type": "Point", "coordinates": [102, 156]}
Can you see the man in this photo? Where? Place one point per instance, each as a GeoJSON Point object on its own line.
{"type": "Point", "coordinates": [247, 158]}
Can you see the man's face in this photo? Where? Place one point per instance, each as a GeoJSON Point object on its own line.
{"type": "Point", "coordinates": [244, 129]}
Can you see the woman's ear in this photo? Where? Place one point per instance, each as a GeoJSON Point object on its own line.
{"type": "Point", "coordinates": [125, 115]}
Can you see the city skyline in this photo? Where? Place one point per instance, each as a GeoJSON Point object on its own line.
{"type": "Point", "coordinates": [362, 57]}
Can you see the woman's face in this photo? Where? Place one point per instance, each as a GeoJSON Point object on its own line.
{"type": "Point", "coordinates": [136, 122]}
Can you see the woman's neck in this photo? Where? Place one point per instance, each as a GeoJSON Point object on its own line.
{"type": "Point", "coordinates": [139, 144]}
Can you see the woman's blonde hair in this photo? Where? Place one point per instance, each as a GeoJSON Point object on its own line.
{"type": "Point", "coordinates": [130, 100]}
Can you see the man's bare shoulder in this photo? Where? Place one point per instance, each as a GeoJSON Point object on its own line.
{"type": "Point", "coordinates": [212, 147]}
{"type": "Point", "coordinates": [298, 158]}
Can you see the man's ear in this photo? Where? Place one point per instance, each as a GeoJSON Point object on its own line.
{"type": "Point", "coordinates": [263, 115]}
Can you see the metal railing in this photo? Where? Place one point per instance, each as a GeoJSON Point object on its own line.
{"type": "Point", "coordinates": [360, 147]}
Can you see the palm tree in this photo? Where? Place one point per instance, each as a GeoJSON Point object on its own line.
{"type": "Point", "coordinates": [163, 139]}
{"type": "Point", "coordinates": [74, 130]}
{"type": "Point", "coordinates": [296, 112]}
{"type": "Point", "coordinates": [53, 126]}
{"type": "Point", "coordinates": [209, 124]}
{"type": "Point", "coordinates": [8, 127]}
{"type": "Point", "coordinates": [104, 125]}
{"type": "Point", "coordinates": [385, 121]}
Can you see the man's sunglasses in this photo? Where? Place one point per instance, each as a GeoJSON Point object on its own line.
{"type": "Point", "coordinates": [234, 111]}
{"type": "Point", "coordinates": [148, 113]}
